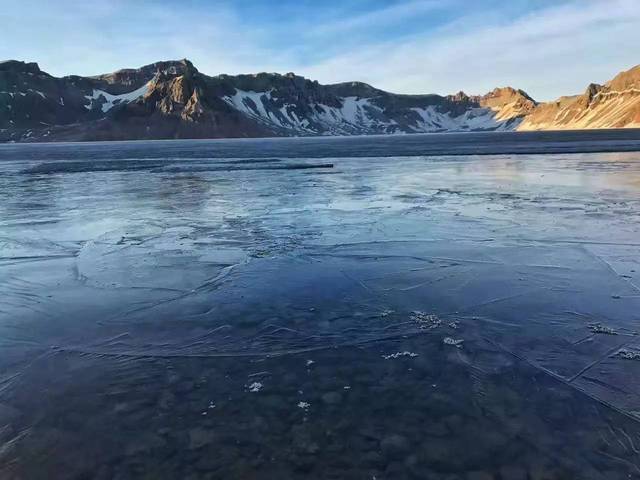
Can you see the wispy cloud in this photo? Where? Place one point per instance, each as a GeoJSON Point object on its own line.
{"type": "Point", "coordinates": [381, 17]}
{"type": "Point", "coordinates": [94, 37]}
{"type": "Point", "coordinates": [546, 47]}
{"type": "Point", "coordinates": [551, 52]}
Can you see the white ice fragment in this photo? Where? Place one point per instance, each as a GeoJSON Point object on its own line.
{"type": "Point", "coordinates": [255, 387]}
{"type": "Point", "coordinates": [452, 341]}
{"type": "Point", "coordinates": [399, 354]}
{"type": "Point", "coordinates": [304, 405]}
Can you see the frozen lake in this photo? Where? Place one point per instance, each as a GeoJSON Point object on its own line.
{"type": "Point", "coordinates": [430, 306]}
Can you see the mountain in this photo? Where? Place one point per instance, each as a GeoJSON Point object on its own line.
{"type": "Point", "coordinates": [173, 99]}
{"type": "Point", "coordinates": [616, 104]}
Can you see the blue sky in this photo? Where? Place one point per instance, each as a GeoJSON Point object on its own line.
{"type": "Point", "coordinates": [548, 48]}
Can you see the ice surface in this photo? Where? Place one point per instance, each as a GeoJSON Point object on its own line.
{"type": "Point", "coordinates": [141, 283]}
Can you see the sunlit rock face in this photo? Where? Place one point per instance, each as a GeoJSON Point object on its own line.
{"type": "Point", "coordinates": [616, 104]}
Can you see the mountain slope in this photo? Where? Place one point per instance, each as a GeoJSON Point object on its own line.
{"type": "Point", "coordinates": [616, 104]}
{"type": "Point", "coordinates": [173, 99]}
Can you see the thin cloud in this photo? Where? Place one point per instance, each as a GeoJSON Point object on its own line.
{"type": "Point", "coordinates": [556, 49]}
{"type": "Point", "coordinates": [552, 52]}
{"type": "Point", "coordinates": [380, 17]}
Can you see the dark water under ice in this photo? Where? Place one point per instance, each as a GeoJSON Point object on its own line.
{"type": "Point", "coordinates": [373, 307]}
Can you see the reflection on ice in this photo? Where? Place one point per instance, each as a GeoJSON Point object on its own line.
{"type": "Point", "coordinates": [447, 317]}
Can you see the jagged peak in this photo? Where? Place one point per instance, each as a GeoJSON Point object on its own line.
{"type": "Point", "coordinates": [592, 90]}
{"type": "Point", "coordinates": [184, 65]}
{"type": "Point", "coordinates": [459, 97]}
{"type": "Point", "coordinates": [164, 67]}
{"type": "Point", "coordinates": [508, 92]}
{"type": "Point", "coordinates": [355, 88]}
{"type": "Point", "coordinates": [19, 66]}
{"type": "Point", "coordinates": [353, 84]}
{"type": "Point", "coordinates": [262, 76]}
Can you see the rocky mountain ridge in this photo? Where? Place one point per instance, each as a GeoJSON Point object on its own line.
{"type": "Point", "coordinates": [172, 99]}
{"type": "Point", "coordinates": [616, 104]}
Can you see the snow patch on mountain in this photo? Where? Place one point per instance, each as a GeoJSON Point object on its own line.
{"type": "Point", "coordinates": [431, 120]}
{"type": "Point", "coordinates": [355, 111]}
{"type": "Point", "coordinates": [357, 115]}
{"type": "Point", "coordinates": [108, 101]}
{"type": "Point", "coordinates": [250, 103]}
{"type": "Point", "coordinates": [354, 114]}
{"type": "Point", "coordinates": [288, 112]}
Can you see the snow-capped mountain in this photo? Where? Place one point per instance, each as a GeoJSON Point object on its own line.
{"type": "Point", "coordinates": [174, 100]}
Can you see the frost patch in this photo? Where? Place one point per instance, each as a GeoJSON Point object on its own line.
{"type": "Point", "coordinates": [453, 342]}
{"type": "Point", "coordinates": [599, 328]}
{"type": "Point", "coordinates": [425, 320]}
{"type": "Point", "coordinates": [399, 354]}
{"type": "Point", "coordinates": [627, 354]}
